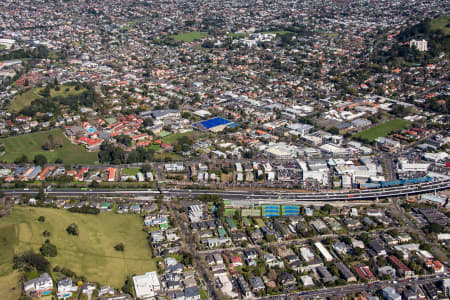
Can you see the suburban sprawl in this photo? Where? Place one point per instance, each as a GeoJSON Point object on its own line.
{"type": "Point", "coordinates": [229, 149]}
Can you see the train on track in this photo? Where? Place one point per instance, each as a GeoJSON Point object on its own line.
{"type": "Point", "coordinates": [393, 183]}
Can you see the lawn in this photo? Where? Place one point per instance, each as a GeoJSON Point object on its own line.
{"type": "Point", "coordinates": [8, 240]}
{"type": "Point", "coordinates": [155, 147]}
{"type": "Point", "coordinates": [441, 23]}
{"type": "Point", "coordinates": [170, 139]}
{"type": "Point", "coordinates": [31, 144]}
{"type": "Point", "coordinates": [9, 285]}
{"type": "Point", "coordinates": [194, 135]}
{"type": "Point", "coordinates": [382, 130]}
{"type": "Point", "coordinates": [25, 99]}
{"type": "Point", "coordinates": [189, 36]}
{"type": "Point", "coordinates": [259, 222]}
{"type": "Point", "coordinates": [238, 35]}
{"type": "Point", "coordinates": [130, 171]}
{"type": "Point", "coordinates": [278, 32]}
{"type": "Point", "coordinates": [91, 253]}
{"type": "Point", "coordinates": [203, 294]}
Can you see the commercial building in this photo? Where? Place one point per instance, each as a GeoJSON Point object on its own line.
{"type": "Point", "coordinates": [146, 286]}
{"type": "Point", "coordinates": [405, 166]}
{"type": "Point", "coordinates": [389, 293]}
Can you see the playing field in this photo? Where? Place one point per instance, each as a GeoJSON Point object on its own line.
{"type": "Point", "coordinates": [382, 129]}
{"type": "Point", "coordinates": [31, 145]}
{"type": "Point", "coordinates": [441, 23]}
{"type": "Point", "coordinates": [279, 32]}
{"type": "Point", "coordinates": [189, 36]}
{"type": "Point", "coordinates": [9, 285]}
{"type": "Point", "coordinates": [25, 99]}
{"type": "Point", "coordinates": [91, 253]}
{"type": "Point", "coordinates": [172, 138]}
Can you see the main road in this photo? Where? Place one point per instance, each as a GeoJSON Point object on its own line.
{"type": "Point", "coordinates": [362, 287]}
{"type": "Point", "coordinates": [260, 196]}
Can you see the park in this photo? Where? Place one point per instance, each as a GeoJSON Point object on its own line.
{"type": "Point", "coordinates": [90, 254]}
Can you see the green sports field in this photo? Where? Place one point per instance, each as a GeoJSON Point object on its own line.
{"type": "Point", "coordinates": [90, 254]}
{"type": "Point", "coordinates": [172, 138]}
{"type": "Point", "coordinates": [25, 99]}
{"type": "Point", "coordinates": [189, 36]}
{"type": "Point", "coordinates": [31, 145]}
{"type": "Point", "coordinates": [441, 23]}
{"type": "Point", "coordinates": [382, 130]}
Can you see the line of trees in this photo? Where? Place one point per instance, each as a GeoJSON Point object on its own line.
{"type": "Point", "coordinates": [112, 154]}
{"type": "Point", "coordinates": [85, 210]}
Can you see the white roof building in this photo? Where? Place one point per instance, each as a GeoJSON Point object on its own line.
{"type": "Point", "coordinates": [306, 254]}
{"type": "Point", "coordinates": [306, 281]}
{"type": "Point", "coordinates": [435, 157]}
{"type": "Point", "coordinates": [325, 253]}
{"type": "Point", "coordinates": [147, 285]}
{"type": "Point", "coordinates": [405, 166]}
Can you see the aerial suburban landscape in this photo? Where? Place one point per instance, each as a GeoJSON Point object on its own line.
{"type": "Point", "coordinates": [224, 149]}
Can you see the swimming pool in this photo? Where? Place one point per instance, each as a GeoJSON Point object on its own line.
{"type": "Point", "coordinates": [91, 130]}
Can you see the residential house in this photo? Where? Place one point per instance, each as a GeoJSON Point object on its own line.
{"type": "Point", "coordinates": [66, 288]}
{"type": "Point", "coordinates": [41, 286]}
{"type": "Point", "coordinates": [257, 284]}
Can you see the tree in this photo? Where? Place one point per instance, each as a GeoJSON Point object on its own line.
{"type": "Point", "coordinates": [48, 249]}
{"type": "Point", "coordinates": [128, 286]}
{"type": "Point", "coordinates": [333, 130]}
{"type": "Point", "coordinates": [94, 184]}
{"type": "Point", "coordinates": [50, 144]}
{"type": "Point", "coordinates": [46, 233]}
{"type": "Point", "coordinates": [41, 219]}
{"type": "Point", "coordinates": [435, 228]}
{"type": "Point", "coordinates": [21, 159]}
{"type": "Point", "coordinates": [40, 160]}
{"type": "Point", "coordinates": [30, 260]}
{"type": "Point", "coordinates": [326, 208]}
{"type": "Point", "coordinates": [124, 139]}
{"type": "Point", "coordinates": [119, 247]}
{"type": "Point", "coordinates": [187, 259]}
{"type": "Point", "coordinates": [72, 229]}
{"type": "Point", "coordinates": [146, 168]}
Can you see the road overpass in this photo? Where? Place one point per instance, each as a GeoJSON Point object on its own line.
{"type": "Point", "coordinates": [259, 196]}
